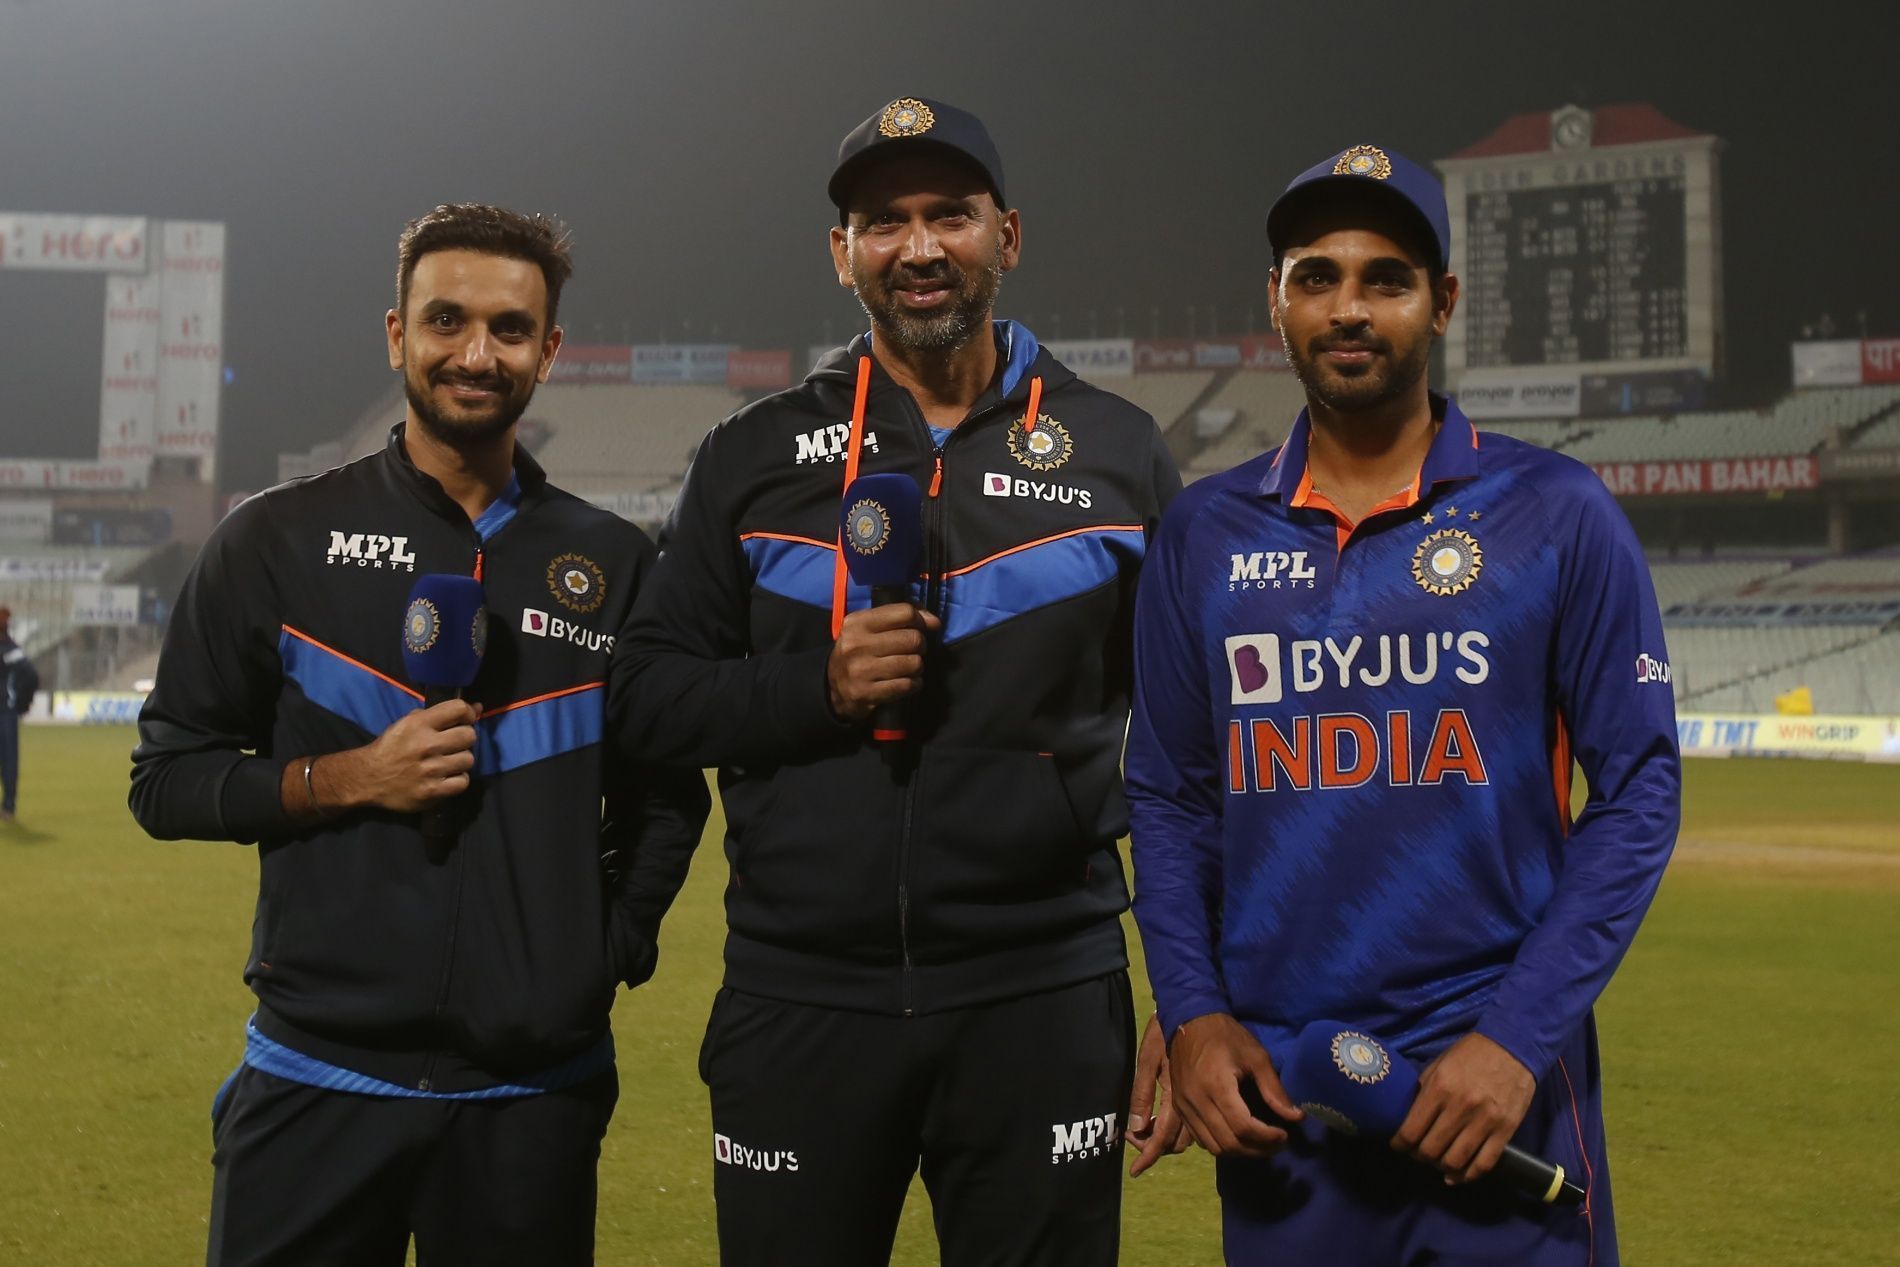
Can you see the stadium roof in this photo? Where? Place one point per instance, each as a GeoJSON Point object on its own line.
{"type": "Point", "coordinates": [1630, 123]}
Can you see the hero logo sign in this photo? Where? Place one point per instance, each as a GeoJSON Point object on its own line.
{"type": "Point", "coordinates": [371, 550]}
{"type": "Point", "coordinates": [1077, 1141]}
{"type": "Point", "coordinates": [827, 444]}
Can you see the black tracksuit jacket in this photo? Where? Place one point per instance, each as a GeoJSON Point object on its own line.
{"type": "Point", "coordinates": [981, 863]}
{"type": "Point", "coordinates": [502, 959]}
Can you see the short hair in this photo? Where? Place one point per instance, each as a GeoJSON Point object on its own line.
{"type": "Point", "coordinates": [542, 240]}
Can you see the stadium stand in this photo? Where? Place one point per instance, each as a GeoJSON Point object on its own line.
{"type": "Point", "coordinates": [1678, 582]}
{"type": "Point", "coordinates": [1801, 422]}
{"type": "Point", "coordinates": [626, 439]}
{"type": "Point", "coordinates": [1166, 396]}
{"type": "Point", "coordinates": [44, 604]}
{"type": "Point", "coordinates": [1862, 677]}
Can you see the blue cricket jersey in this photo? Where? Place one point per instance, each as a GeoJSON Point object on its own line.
{"type": "Point", "coordinates": [1349, 763]}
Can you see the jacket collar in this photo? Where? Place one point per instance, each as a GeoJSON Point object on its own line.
{"type": "Point", "coordinates": [529, 479]}
{"type": "Point", "coordinates": [1022, 358]}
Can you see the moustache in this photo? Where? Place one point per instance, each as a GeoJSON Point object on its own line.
{"type": "Point", "coordinates": [941, 274]}
{"type": "Point", "coordinates": [1354, 342]}
{"type": "Point", "coordinates": [487, 382]}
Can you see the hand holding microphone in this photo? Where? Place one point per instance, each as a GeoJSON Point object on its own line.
{"type": "Point", "coordinates": [444, 635]}
{"type": "Point", "coordinates": [878, 660]}
{"type": "Point", "coordinates": [1356, 1084]}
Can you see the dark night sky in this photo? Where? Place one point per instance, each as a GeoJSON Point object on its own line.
{"type": "Point", "coordinates": [688, 147]}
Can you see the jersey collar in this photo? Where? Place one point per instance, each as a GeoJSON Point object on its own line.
{"type": "Point", "coordinates": [1453, 454]}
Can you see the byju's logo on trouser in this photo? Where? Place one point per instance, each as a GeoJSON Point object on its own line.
{"type": "Point", "coordinates": [727, 1153]}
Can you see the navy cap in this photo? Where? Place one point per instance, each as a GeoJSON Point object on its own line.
{"type": "Point", "coordinates": [909, 125]}
{"type": "Point", "coordinates": [1382, 173]}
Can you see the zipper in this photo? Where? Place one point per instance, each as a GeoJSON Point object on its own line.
{"type": "Point", "coordinates": [427, 1080]}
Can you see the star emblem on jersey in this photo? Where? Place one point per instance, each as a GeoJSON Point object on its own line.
{"type": "Point", "coordinates": [577, 582]}
{"type": "Point", "coordinates": [869, 526]}
{"type": "Point", "coordinates": [906, 116]}
{"type": "Point", "coordinates": [1043, 447]}
{"type": "Point", "coordinates": [1364, 160]}
{"type": "Point", "coordinates": [421, 625]}
{"type": "Point", "coordinates": [478, 633]}
{"type": "Point", "coordinates": [1447, 562]}
{"type": "Point", "coordinates": [1360, 1057]}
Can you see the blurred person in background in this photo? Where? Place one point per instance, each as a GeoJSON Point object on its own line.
{"type": "Point", "coordinates": [18, 683]}
{"type": "Point", "coordinates": [430, 1054]}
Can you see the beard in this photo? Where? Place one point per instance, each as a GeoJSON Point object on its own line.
{"type": "Point", "coordinates": [1384, 379]}
{"type": "Point", "coordinates": [458, 426]}
{"type": "Point", "coordinates": [973, 297]}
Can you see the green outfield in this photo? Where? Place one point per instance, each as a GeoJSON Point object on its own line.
{"type": "Point", "coordinates": [1750, 1039]}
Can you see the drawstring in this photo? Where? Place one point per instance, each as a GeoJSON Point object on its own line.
{"type": "Point", "coordinates": [853, 446]}
{"type": "Point", "coordinates": [1035, 403]}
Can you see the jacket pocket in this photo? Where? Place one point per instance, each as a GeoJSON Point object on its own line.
{"type": "Point", "coordinates": [995, 827]}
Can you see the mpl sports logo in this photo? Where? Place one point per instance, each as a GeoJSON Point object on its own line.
{"type": "Point", "coordinates": [997, 484]}
{"type": "Point", "coordinates": [370, 550]}
{"type": "Point", "coordinates": [1270, 570]}
{"type": "Point", "coordinates": [541, 625]}
{"type": "Point", "coordinates": [727, 1153]}
{"type": "Point", "coordinates": [827, 444]}
{"type": "Point", "coordinates": [1078, 1141]}
{"type": "Point", "coordinates": [1651, 669]}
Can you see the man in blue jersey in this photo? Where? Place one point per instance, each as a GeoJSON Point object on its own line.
{"type": "Point", "coordinates": [1364, 663]}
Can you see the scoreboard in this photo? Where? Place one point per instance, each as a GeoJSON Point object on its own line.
{"type": "Point", "coordinates": [1594, 272]}
{"type": "Point", "coordinates": [1580, 259]}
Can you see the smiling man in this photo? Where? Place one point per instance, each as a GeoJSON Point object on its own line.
{"type": "Point", "coordinates": [1364, 663]}
{"type": "Point", "coordinates": [430, 1054]}
{"type": "Point", "coordinates": [924, 965]}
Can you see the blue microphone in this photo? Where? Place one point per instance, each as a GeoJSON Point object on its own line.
{"type": "Point", "coordinates": [444, 633]}
{"type": "Point", "coordinates": [1359, 1086]}
{"type": "Point", "coordinates": [882, 528]}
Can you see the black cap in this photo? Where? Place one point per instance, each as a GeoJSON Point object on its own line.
{"type": "Point", "coordinates": [906, 126]}
{"type": "Point", "coordinates": [1379, 172]}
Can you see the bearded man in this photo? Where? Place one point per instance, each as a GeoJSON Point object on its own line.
{"type": "Point", "coordinates": [924, 961]}
{"type": "Point", "coordinates": [430, 1056]}
{"type": "Point", "coordinates": [1365, 662]}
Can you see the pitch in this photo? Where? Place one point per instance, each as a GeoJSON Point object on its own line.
{"type": "Point", "coordinates": [1749, 1037]}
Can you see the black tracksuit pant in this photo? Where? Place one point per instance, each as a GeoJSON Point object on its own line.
{"type": "Point", "coordinates": [1014, 1110]}
{"type": "Point", "coordinates": [316, 1178]}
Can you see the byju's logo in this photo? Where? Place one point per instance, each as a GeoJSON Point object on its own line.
{"type": "Point", "coordinates": [1650, 669]}
{"type": "Point", "coordinates": [827, 444]}
{"type": "Point", "coordinates": [542, 625]}
{"type": "Point", "coordinates": [1270, 570]}
{"type": "Point", "coordinates": [727, 1153]}
{"type": "Point", "coordinates": [369, 549]}
{"type": "Point", "coordinates": [1077, 1141]}
{"type": "Point", "coordinates": [1253, 664]}
{"type": "Point", "coordinates": [996, 484]}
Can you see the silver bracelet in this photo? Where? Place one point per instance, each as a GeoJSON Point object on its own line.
{"type": "Point", "coordinates": [310, 790]}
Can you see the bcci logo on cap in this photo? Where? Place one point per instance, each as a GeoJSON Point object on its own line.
{"type": "Point", "coordinates": [1360, 1057]}
{"type": "Point", "coordinates": [869, 526]}
{"type": "Point", "coordinates": [1447, 562]}
{"type": "Point", "coordinates": [422, 625]}
{"type": "Point", "coordinates": [1043, 446]}
{"type": "Point", "coordinates": [1364, 160]}
{"type": "Point", "coordinates": [906, 116]}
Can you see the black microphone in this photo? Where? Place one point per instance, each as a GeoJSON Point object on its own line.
{"type": "Point", "coordinates": [1356, 1084]}
{"type": "Point", "coordinates": [444, 635]}
{"type": "Point", "coordinates": [883, 536]}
